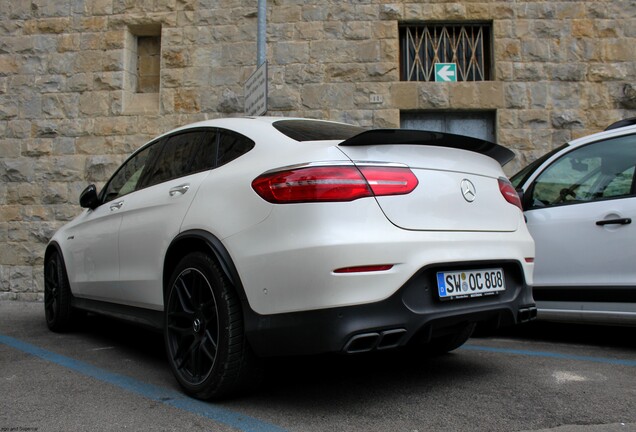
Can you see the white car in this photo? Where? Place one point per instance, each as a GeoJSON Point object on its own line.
{"type": "Point", "coordinates": [580, 203]}
{"type": "Point", "coordinates": [251, 237]}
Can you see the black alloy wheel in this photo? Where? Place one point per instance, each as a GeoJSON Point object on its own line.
{"type": "Point", "coordinates": [204, 338]}
{"type": "Point", "coordinates": [57, 294]}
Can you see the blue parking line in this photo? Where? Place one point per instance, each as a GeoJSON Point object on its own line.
{"type": "Point", "coordinates": [165, 396]}
{"type": "Point", "coordinates": [547, 354]}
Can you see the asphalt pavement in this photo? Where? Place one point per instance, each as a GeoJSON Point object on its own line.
{"type": "Point", "coordinates": [110, 376]}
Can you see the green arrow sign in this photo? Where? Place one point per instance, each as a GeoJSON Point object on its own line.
{"type": "Point", "coordinates": [445, 72]}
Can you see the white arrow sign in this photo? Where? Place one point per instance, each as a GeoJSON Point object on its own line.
{"type": "Point", "coordinates": [445, 72]}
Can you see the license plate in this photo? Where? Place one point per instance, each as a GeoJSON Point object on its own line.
{"type": "Point", "coordinates": [470, 283]}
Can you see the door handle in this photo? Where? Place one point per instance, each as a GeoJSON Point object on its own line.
{"type": "Point", "coordinates": [179, 190]}
{"type": "Point", "coordinates": [116, 206]}
{"type": "Point", "coordinates": [619, 221]}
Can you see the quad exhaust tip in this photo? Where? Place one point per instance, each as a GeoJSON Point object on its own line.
{"type": "Point", "coordinates": [366, 342]}
{"type": "Point", "coordinates": [527, 314]}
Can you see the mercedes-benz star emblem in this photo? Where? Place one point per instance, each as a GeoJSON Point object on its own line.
{"type": "Point", "coordinates": [468, 190]}
{"type": "Point", "coordinates": [196, 325]}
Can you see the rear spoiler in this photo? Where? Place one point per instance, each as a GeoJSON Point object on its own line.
{"type": "Point", "coordinates": [439, 139]}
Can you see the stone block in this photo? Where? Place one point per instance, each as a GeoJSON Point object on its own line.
{"type": "Point", "coordinates": [583, 28]}
{"type": "Point", "coordinates": [516, 95]}
{"type": "Point", "coordinates": [187, 101]}
{"type": "Point", "coordinates": [285, 14]}
{"type": "Point", "coordinates": [533, 119]}
{"type": "Point", "coordinates": [314, 13]}
{"type": "Point", "coordinates": [391, 11]}
{"type": "Point", "coordinates": [10, 148]}
{"type": "Point", "coordinates": [37, 147]}
{"type": "Point", "coordinates": [16, 129]}
{"type": "Point", "coordinates": [52, 25]}
{"type": "Point", "coordinates": [462, 95]}
{"type": "Point", "coordinates": [357, 30]}
{"type": "Point", "coordinates": [16, 170]}
{"type": "Point", "coordinates": [304, 73]}
{"type": "Point", "coordinates": [68, 42]}
{"type": "Point", "coordinates": [344, 72]}
{"type": "Point", "coordinates": [404, 95]}
{"type": "Point", "coordinates": [291, 52]}
{"type": "Point", "coordinates": [529, 71]}
{"type": "Point", "coordinates": [100, 168]}
{"type": "Point", "coordinates": [617, 50]}
{"type": "Point", "coordinates": [566, 72]}
{"type": "Point", "coordinates": [175, 58]}
{"type": "Point", "coordinates": [386, 118]}
{"type": "Point", "coordinates": [323, 96]}
{"type": "Point", "coordinates": [9, 108]}
{"type": "Point", "coordinates": [94, 104]}
{"type": "Point", "coordinates": [568, 119]}
{"type": "Point", "coordinates": [5, 286]}
{"type": "Point", "coordinates": [283, 98]}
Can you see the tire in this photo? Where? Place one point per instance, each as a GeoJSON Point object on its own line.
{"type": "Point", "coordinates": [57, 295]}
{"type": "Point", "coordinates": [204, 333]}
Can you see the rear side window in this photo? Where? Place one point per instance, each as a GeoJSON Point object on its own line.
{"type": "Point", "coordinates": [182, 154]}
{"type": "Point", "coordinates": [231, 146]}
{"type": "Point", "coordinates": [177, 156]}
{"type": "Point", "coordinates": [316, 130]}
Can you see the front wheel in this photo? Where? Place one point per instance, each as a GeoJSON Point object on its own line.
{"type": "Point", "coordinates": [204, 334]}
{"type": "Point", "coordinates": [57, 294]}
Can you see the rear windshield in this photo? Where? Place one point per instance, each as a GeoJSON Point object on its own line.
{"type": "Point", "coordinates": [316, 130]}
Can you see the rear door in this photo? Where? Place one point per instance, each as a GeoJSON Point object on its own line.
{"type": "Point", "coordinates": [152, 215]}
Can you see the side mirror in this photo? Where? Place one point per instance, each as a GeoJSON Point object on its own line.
{"type": "Point", "coordinates": [88, 198]}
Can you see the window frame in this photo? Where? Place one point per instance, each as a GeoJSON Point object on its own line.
{"type": "Point", "coordinates": [529, 196]}
{"type": "Point", "coordinates": [447, 53]}
{"type": "Point", "coordinates": [162, 141]}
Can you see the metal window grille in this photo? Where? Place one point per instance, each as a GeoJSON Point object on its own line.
{"type": "Point", "coordinates": [466, 45]}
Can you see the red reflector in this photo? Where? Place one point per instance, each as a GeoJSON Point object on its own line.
{"type": "Point", "coordinates": [509, 193]}
{"type": "Point", "coordinates": [362, 269]}
{"type": "Point", "coordinates": [529, 260]}
{"type": "Point", "coordinates": [333, 183]}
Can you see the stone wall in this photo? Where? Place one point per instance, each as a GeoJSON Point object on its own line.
{"type": "Point", "coordinates": [69, 116]}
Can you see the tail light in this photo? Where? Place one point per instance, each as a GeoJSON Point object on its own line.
{"type": "Point", "coordinates": [509, 193]}
{"type": "Point", "coordinates": [334, 183]}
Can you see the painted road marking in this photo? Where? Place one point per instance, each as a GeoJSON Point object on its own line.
{"type": "Point", "coordinates": [547, 354]}
{"type": "Point", "coordinates": [166, 396]}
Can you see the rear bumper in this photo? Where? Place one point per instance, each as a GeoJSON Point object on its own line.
{"type": "Point", "coordinates": [414, 312]}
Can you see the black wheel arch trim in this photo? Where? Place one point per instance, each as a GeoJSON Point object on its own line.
{"type": "Point", "coordinates": [251, 319]}
{"type": "Point", "coordinates": [220, 252]}
{"type": "Point", "coordinates": [55, 246]}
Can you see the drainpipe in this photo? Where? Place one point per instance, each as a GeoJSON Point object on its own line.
{"type": "Point", "coordinates": [261, 49]}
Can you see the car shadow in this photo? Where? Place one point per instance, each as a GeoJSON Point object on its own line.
{"type": "Point", "coordinates": [582, 334]}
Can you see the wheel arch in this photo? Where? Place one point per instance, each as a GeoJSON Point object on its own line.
{"type": "Point", "coordinates": [203, 241]}
{"type": "Point", "coordinates": [53, 247]}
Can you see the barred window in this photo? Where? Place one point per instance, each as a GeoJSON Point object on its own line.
{"type": "Point", "coordinates": [467, 45]}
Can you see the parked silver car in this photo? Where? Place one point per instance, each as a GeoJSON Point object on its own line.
{"type": "Point", "coordinates": [580, 202]}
